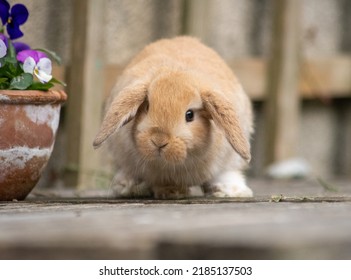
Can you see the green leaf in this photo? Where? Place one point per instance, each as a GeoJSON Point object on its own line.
{"type": "Point", "coordinates": [11, 51]}
{"type": "Point", "coordinates": [4, 83]}
{"type": "Point", "coordinates": [9, 71]}
{"type": "Point", "coordinates": [54, 56]}
{"type": "Point", "coordinates": [12, 60]}
{"type": "Point", "coordinates": [55, 81]}
{"type": "Point", "coordinates": [10, 68]}
{"type": "Point", "coordinates": [13, 70]}
{"type": "Point", "coordinates": [22, 81]}
{"type": "Point", "coordinates": [41, 86]}
{"type": "Point", "coordinates": [4, 86]}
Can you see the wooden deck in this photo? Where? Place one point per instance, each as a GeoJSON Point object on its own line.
{"type": "Point", "coordinates": [285, 220]}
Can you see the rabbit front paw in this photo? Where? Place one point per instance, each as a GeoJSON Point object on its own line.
{"type": "Point", "coordinates": [129, 188]}
{"type": "Point", "coordinates": [228, 184]}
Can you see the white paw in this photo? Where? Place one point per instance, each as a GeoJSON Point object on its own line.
{"type": "Point", "coordinates": [221, 191]}
{"type": "Point", "coordinates": [229, 184]}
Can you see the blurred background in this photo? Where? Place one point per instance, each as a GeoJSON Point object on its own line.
{"type": "Point", "coordinates": [293, 58]}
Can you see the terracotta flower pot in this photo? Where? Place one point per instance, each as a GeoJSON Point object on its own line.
{"type": "Point", "coordinates": [28, 125]}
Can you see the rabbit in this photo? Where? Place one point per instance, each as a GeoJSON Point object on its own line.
{"type": "Point", "coordinates": [178, 118]}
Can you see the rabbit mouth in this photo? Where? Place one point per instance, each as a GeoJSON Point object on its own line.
{"type": "Point", "coordinates": [169, 153]}
{"type": "Point", "coordinates": [162, 149]}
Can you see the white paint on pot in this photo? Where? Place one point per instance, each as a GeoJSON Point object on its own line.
{"type": "Point", "coordinates": [4, 97]}
{"type": "Point", "coordinates": [44, 114]}
{"type": "Point", "coordinates": [17, 158]}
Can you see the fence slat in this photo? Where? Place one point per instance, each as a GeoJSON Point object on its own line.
{"type": "Point", "coordinates": [282, 107]}
{"type": "Point", "coordinates": [86, 84]}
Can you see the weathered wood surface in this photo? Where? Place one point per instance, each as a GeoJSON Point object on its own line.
{"type": "Point", "coordinates": [86, 83]}
{"type": "Point", "coordinates": [322, 78]}
{"type": "Point", "coordinates": [298, 220]}
{"type": "Point", "coordinates": [282, 96]}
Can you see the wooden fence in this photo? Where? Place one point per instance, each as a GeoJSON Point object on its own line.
{"type": "Point", "coordinates": [281, 82]}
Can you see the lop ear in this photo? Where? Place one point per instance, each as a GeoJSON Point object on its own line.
{"type": "Point", "coordinates": [225, 117]}
{"type": "Point", "coordinates": [122, 110]}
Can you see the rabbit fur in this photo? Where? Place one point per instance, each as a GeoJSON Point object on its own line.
{"type": "Point", "coordinates": [178, 118]}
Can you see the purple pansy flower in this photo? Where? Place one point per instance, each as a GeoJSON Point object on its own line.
{"type": "Point", "coordinates": [36, 63]}
{"type": "Point", "coordinates": [13, 18]}
{"type": "Point", "coordinates": [4, 11]}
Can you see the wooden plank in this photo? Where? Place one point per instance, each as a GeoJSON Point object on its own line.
{"type": "Point", "coordinates": [191, 201]}
{"type": "Point", "coordinates": [86, 82]}
{"type": "Point", "coordinates": [196, 18]}
{"type": "Point", "coordinates": [282, 106]}
{"type": "Point", "coordinates": [320, 78]}
{"type": "Point", "coordinates": [79, 226]}
{"type": "Point", "coordinates": [251, 72]}
{"type": "Point", "coordinates": [137, 230]}
{"type": "Point", "coordinates": [326, 77]}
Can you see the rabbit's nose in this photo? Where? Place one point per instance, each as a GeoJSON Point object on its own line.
{"type": "Point", "coordinates": [159, 144]}
{"type": "Point", "coordinates": [159, 139]}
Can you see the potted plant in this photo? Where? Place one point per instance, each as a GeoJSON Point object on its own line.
{"type": "Point", "coordinates": [29, 107]}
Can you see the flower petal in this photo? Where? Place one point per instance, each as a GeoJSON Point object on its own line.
{"type": "Point", "coordinates": [4, 38]}
{"type": "Point", "coordinates": [19, 14]}
{"type": "Point", "coordinates": [20, 46]}
{"type": "Point", "coordinates": [22, 56]}
{"type": "Point", "coordinates": [3, 48]}
{"type": "Point", "coordinates": [14, 31]}
{"type": "Point", "coordinates": [45, 65]}
{"type": "Point", "coordinates": [4, 11]}
{"type": "Point", "coordinates": [29, 65]}
{"type": "Point", "coordinates": [40, 55]}
{"type": "Point", "coordinates": [42, 76]}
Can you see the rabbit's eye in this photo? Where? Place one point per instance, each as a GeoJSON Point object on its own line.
{"type": "Point", "coordinates": [189, 115]}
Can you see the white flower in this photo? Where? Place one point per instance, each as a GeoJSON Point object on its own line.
{"type": "Point", "coordinates": [3, 49]}
{"type": "Point", "coordinates": [42, 70]}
